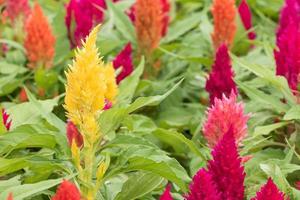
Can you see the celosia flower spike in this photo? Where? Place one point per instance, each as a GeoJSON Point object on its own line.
{"type": "Point", "coordinates": [225, 113]}
{"type": "Point", "coordinates": [5, 119]}
{"type": "Point", "coordinates": [17, 9]}
{"type": "Point", "coordinates": [224, 13]}
{"type": "Point", "coordinates": [246, 17]}
{"type": "Point", "coordinates": [40, 41]}
{"type": "Point", "coordinates": [226, 169]}
{"type": "Point", "coordinates": [203, 187]}
{"type": "Point", "coordinates": [148, 24]}
{"type": "Point", "coordinates": [81, 17]}
{"type": "Point", "coordinates": [167, 194]}
{"type": "Point", "coordinates": [73, 134]}
{"type": "Point", "coordinates": [269, 191]}
{"type": "Point", "coordinates": [220, 81]}
{"type": "Point", "coordinates": [10, 197]}
{"type": "Point", "coordinates": [67, 191]}
{"type": "Point", "coordinates": [124, 60]}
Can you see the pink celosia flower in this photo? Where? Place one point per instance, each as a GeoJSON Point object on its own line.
{"type": "Point", "coordinates": [165, 6]}
{"type": "Point", "coordinates": [220, 80]}
{"type": "Point", "coordinates": [203, 187]}
{"type": "Point", "coordinates": [74, 134]}
{"type": "Point", "coordinates": [16, 9]}
{"type": "Point", "coordinates": [288, 42]}
{"type": "Point", "coordinates": [124, 60]}
{"type": "Point", "coordinates": [81, 16]}
{"type": "Point", "coordinates": [297, 185]}
{"type": "Point", "coordinates": [226, 169]}
{"type": "Point", "coordinates": [67, 191]}
{"type": "Point", "coordinates": [269, 192]}
{"type": "Point", "coordinates": [225, 113]}
{"type": "Point", "coordinates": [167, 194]}
{"type": "Point", "coordinates": [246, 17]}
{"type": "Point", "coordinates": [107, 105]}
{"type": "Point", "coordinates": [5, 119]}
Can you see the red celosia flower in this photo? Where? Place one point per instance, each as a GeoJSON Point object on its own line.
{"type": "Point", "coordinates": [10, 197]}
{"type": "Point", "coordinates": [269, 192]}
{"type": "Point", "coordinates": [226, 169]}
{"type": "Point", "coordinates": [22, 95]}
{"type": "Point", "coordinates": [67, 191]}
{"type": "Point", "coordinates": [220, 81]}
{"type": "Point", "coordinates": [148, 24]}
{"type": "Point", "coordinates": [288, 41]}
{"type": "Point", "coordinates": [203, 187]}
{"type": "Point", "coordinates": [225, 113]}
{"type": "Point", "coordinates": [73, 134]}
{"type": "Point", "coordinates": [224, 12]}
{"type": "Point", "coordinates": [246, 16]}
{"type": "Point", "coordinates": [81, 16]}
{"type": "Point", "coordinates": [40, 41]}
{"type": "Point", "coordinates": [124, 60]}
{"type": "Point", "coordinates": [167, 194]}
{"type": "Point", "coordinates": [297, 185]}
{"type": "Point", "coordinates": [16, 9]}
{"type": "Point", "coordinates": [107, 105]}
{"type": "Point", "coordinates": [5, 119]}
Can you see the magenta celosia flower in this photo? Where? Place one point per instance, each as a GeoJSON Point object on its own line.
{"type": "Point", "coordinates": [203, 187]}
{"type": "Point", "coordinates": [226, 169]}
{"type": "Point", "coordinates": [225, 113]}
{"type": "Point", "coordinates": [288, 55]}
{"type": "Point", "coordinates": [124, 60]}
{"type": "Point", "coordinates": [269, 192]}
{"type": "Point", "coordinates": [246, 17]}
{"type": "Point", "coordinates": [220, 80]}
{"type": "Point", "coordinates": [107, 105]}
{"type": "Point", "coordinates": [5, 119]}
{"type": "Point", "coordinates": [290, 13]}
{"type": "Point", "coordinates": [297, 185]}
{"type": "Point", "coordinates": [165, 9]}
{"type": "Point", "coordinates": [73, 134]}
{"type": "Point", "coordinates": [167, 194]}
{"type": "Point", "coordinates": [16, 9]}
{"type": "Point", "coordinates": [81, 16]}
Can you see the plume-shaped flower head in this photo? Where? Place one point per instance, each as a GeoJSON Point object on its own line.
{"type": "Point", "coordinates": [226, 169]}
{"type": "Point", "coordinates": [67, 191]}
{"type": "Point", "coordinates": [203, 187]}
{"type": "Point", "coordinates": [10, 197]}
{"type": "Point", "coordinates": [5, 119]}
{"type": "Point", "coordinates": [226, 113]}
{"type": "Point", "coordinates": [40, 41]}
{"type": "Point", "coordinates": [124, 60]}
{"type": "Point", "coordinates": [220, 81]}
{"type": "Point", "coordinates": [73, 134]}
{"type": "Point", "coordinates": [269, 191]}
{"type": "Point", "coordinates": [167, 194]}
{"type": "Point", "coordinates": [16, 9]}
{"type": "Point", "coordinates": [246, 17]}
{"type": "Point", "coordinates": [148, 24]}
{"type": "Point", "coordinates": [89, 83]}
{"type": "Point", "coordinates": [224, 13]}
{"type": "Point", "coordinates": [287, 55]}
{"type": "Point", "coordinates": [81, 16]}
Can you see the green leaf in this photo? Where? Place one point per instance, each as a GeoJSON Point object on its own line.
{"type": "Point", "coordinates": [10, 183]}
{"type": "Point", "coordinates": [122, 22]}
{"type": "Point", "coordinates": [152, 100]}
{"type": "Point", "coordinates": [138, 185]}
{"type": "Point", "coordinates": [267, 129]}
{"type": "Point", "coordinates": [181, 27]}
{"type": "Point", "coordinates": [128, 86]}
{"type": "Point", "coordinates": [29, 190]}
{"type": "Point", "coordinates": [293, 113]}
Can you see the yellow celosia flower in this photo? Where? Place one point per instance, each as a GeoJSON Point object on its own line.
{"type": "Point", "coordinates": [89, 82]}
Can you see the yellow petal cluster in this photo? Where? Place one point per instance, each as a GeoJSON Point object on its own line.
{"type": "Point", "coordinates": [89, 82]}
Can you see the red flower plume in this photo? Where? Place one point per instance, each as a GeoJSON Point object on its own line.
{"type": "Point", "coordinates": [167, 194]}
{"type": "Point", "coordinates": [246, 17]}
{"type": "Point", "coordinates": [220, 80]}
{"type": "Point", "coordinates": [5, 119]}
{"type": "Point", "coordinates": [67, 191]}
{"type": "Point", "coordinates": [269, 192]}
{"type": "Point", "coordinates": [226, 169]}
{"type": "Point", "coordinates": [74, 134]}
{"type": "Point", "coordinates": [10, 197]}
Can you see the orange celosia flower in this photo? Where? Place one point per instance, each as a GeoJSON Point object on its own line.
{"type": "Point", "coordinates": [10, 197]}
{"type": "Point", "coordinates": [224, 13]}
{"type": "Point", "coordinates": [148, 24]}
{"type": "Point", "coordinates": [40, 41]}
